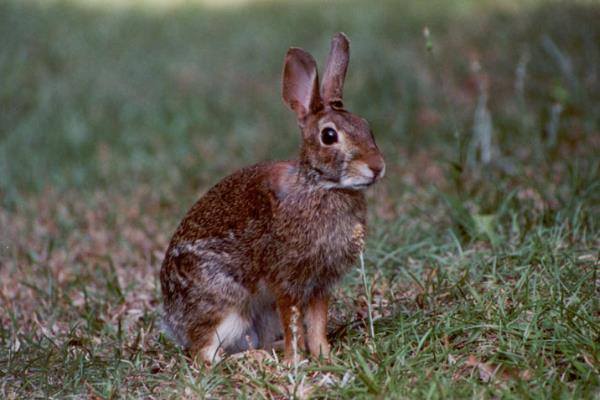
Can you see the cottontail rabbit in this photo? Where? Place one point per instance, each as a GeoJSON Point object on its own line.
{"type": "Point", "coordinates": [267, 243]}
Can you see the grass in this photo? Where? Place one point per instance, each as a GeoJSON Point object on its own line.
{"type": "Point", "coordinates": [483, 276]}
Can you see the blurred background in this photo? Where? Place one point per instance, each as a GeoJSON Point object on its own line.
{"type": "Point", "coordinates": [115, 116]}
{"type": "Point", "coordinates": [174, 94]}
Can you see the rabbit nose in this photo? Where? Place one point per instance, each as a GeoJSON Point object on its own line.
{"type": "Point", "coordinates": [378, 171]}
{"type": "Point", "coordinates": [377, 166]}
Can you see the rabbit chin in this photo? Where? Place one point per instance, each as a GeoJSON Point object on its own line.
{"type": "Point", "coordinates": [350, 182]}
{"type": "Point", "coordinates": [356, 182]}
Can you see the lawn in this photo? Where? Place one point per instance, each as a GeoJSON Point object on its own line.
{"type": "Point", "coordinates": [483, 260]}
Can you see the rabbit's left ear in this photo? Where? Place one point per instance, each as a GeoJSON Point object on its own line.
{"type": "Point", "coordinates": [335, 71]}
{"type": "Point", "coordinates": [300, 87]}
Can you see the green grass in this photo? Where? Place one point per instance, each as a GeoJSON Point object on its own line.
{"type": "Point", "coordinates": [484, 277]}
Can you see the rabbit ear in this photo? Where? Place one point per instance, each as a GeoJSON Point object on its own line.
{"type": "Point", "coordinates": [335, 71]}
{"type": "Point", "coordinates": [301, 83]}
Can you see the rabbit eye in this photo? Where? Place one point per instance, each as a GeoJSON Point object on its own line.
{"type": "Point", "coordinates": [337, 105]}
{"type": "Point", "coordinates": [329, 136]}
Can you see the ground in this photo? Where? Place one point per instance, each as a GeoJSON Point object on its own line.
{"type": "Point", "coordinates": [482, 263]}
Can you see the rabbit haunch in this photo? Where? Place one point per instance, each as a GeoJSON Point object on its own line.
{"type": "Point", "coordinates": [267, 243]}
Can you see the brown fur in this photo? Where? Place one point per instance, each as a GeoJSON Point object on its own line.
{"type": "Point", "coordinates": [277, 235]}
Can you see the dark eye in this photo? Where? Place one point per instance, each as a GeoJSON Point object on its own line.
{"type": "Point", "coordinates": [329, 136]}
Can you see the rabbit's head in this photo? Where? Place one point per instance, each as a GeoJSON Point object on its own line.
{"type": "Point", "coordinates": [338, 148]}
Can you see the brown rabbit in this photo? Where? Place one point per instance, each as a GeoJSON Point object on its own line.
{"type": "Point", "coordinates": [269, 241]}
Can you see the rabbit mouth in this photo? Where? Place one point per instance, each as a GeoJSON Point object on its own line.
{"type": "Point", "coordinates": [359, 175]}
{"type": "Point", "coordinates": [356, 182]}
{"type": "Point", "coordinates": [360, 186]}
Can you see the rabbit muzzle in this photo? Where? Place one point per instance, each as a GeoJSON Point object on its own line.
{"type": "Point", "coordinates": [376, 164]}
{"type": "Point", "coordinates": [362, 173]}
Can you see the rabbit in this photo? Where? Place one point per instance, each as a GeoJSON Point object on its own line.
{"type": "Point", "coordinates": [255, 259]}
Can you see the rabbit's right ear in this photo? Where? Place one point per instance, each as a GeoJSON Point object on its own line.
{"type": "Point", "coordinates": [301, 83]}
{"type": "Point", "coordinates": [335, 71]}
